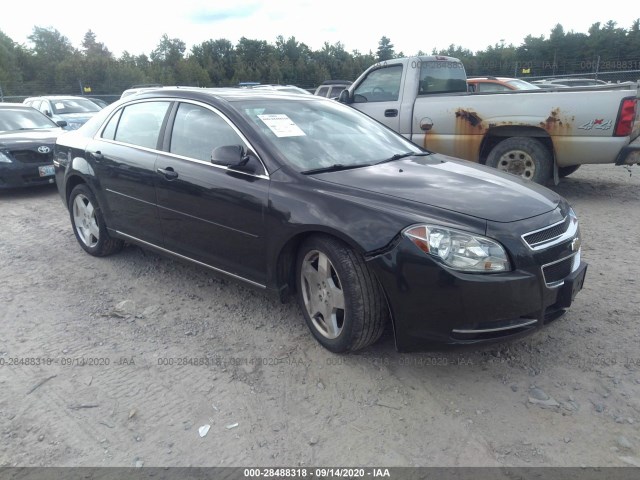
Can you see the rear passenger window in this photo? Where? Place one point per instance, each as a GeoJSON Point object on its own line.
{"type": "Point", "coordinates": [140, 123]}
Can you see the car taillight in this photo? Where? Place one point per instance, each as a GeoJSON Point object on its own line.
{"type": "Point", "coordinates": [627, 115]}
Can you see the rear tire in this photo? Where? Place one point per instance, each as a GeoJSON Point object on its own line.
{"type": "Point", "coordinates": [88, 223]}
{"type": "Point", "coordinates": [341, 300]}
{"type": "Point", "coordinates": [522, 156]}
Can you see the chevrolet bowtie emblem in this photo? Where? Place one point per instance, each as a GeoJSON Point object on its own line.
{"type": "Point", "coordinates": [575, 244]}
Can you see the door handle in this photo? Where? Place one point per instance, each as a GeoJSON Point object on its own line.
{"type": "Point", "coordinates": [392, 112]}
{"type": "Point", "coordinates": [168, 173]}
{"type": "Point", "coordinates": [97, 154]}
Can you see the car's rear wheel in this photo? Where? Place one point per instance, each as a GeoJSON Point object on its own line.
{"type": "Point", "coordinates": [88, 223]}
{"type": "Point", "coordinates": [341, 300]}
{"type": "Point", "coordinates": [522, 156]}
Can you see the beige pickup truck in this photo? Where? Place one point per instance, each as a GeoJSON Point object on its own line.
{"type": "Point", "coordinates": [540, 135]}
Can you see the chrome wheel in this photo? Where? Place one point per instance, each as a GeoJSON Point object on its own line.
{"type": "Point", "coordinates": [322, 294]}
{"type": "Point", "coordinates": [84, 219]}
{"type": "Point", "coordinates": [517, 162]}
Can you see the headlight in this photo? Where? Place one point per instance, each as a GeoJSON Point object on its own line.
{"type": "Point", "coordinates": [459, 250]}
{"type": "Point", "coordinates": [73, 125]}
{"type": "Point", "coordinates": [4, 158]}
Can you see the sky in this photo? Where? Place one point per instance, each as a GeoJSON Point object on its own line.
{"type": "Point", "coordinates": [136, 26]}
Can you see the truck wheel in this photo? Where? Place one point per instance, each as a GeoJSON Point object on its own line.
{"type": "Point", "coordinates": [566, 171]}
{"type": "Point", "coordinates": [522, 156]}
{"type": "Point", "coordinates": [341, 300]}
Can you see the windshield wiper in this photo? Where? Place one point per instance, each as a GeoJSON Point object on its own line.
{"type": "Point", "coordinates": [336, 167]}
{"type": "Point", "coordinates": [398, 156]}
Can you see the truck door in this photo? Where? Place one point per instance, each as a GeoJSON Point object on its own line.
{"type": "Point", "coordinates": [379, 95]}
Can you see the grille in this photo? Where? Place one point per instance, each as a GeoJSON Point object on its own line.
{"type": "Point", "coordinates": [31, 156]}
{"type": "Point", "coordinates": [556, 272]}
{"type": "Point", "coordinates": [542, 236]}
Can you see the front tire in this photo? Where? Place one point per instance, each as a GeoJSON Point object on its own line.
{"type": "Point", "coordinates": [88, 223]}
{"type": "Point", "coordinates": [342, 302]}
{"type": "Point", "coordinates": [522, 156]}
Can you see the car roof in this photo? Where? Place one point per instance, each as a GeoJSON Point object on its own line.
{"type": "Point", "coordinates": [226, 93]}
{"type": "Point", "coordinates": [336, 82]}
{"type": "Point", "coordinates": [56, 97]}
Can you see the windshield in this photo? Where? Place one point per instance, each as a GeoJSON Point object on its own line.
{"type": "Point", "coordinates": [12, 119]}
{"type": "Point", "coordinates": [75, 105]}
{"type": "Point", "coordinates": [317, 134]}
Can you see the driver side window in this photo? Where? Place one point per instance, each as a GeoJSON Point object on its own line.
{"type": "Point", "coordinates": [381, 85]}
{"type": "Point", "coordinates": [197, 131]}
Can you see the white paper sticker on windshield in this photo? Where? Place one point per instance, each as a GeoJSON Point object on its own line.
{"type": "Point", "coordinates": [281, 125]}
{"type": "Point", "coordinates": [60, 106]}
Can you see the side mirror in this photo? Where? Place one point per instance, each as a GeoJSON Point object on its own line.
{"type": "Point", "coordinates": [62, 123]}
{"type": "Point", "coordinates": [227, 155]}
{"type": "Point", "coordinates": [345, 97]}
{"type": "Point", "coordinates": [235, 158]}
{"type": "Point", "coordinates": [47, 113]}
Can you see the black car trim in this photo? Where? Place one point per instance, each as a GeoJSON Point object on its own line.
{"type": "Point", "coordinates": [171, 252]}
{"type": "Point", "coordinates": [129, 196]}
{"type": "Point", "coordinates": [222, 167]}
{"type": "Point", "coordinates": [498, 329]}
{"type": "Point", "coordinates": [209, 221]}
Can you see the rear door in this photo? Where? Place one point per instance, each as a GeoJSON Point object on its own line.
{"type": "Point", "coordinates": [124, 155]}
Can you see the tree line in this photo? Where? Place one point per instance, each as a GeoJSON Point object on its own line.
{"type": "Point", "coordinates": [52, 65]}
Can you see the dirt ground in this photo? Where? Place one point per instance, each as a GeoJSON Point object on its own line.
{"type": "Point", "coordinates": [120, 361]}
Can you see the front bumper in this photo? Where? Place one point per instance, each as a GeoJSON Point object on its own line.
{"type": "Point", "coordinates": [16, 175]}
{"type": "Point", "coordinates": [434, 306]}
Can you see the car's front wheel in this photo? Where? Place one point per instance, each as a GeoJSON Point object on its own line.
{"type": "Point", "coordinates": [88, 223]}
{"type": "Point", "coordinates": [342, 302]}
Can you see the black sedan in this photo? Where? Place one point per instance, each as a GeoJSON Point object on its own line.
{"type": "Point", "coordinates": [27, 139]}
{"type": "Point", "coordinates": [304, 196]}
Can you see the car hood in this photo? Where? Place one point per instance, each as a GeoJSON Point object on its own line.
{"type": "Point", "coordinates": [451, 184]}
{"type": "Point", "coordinates": [29, 138]}
{"type": "Point", "coordinates": [75, 117]}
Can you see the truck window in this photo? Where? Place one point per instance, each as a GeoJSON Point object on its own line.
{"type": "Point", "coordinates": [381, 85]}
{"type": "Point", "coordinates": [441, 76]}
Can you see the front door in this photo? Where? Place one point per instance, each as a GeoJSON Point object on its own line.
{"type": "Point", "coordinates": [209, 213]}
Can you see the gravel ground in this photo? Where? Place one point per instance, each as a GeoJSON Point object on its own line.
{"type": "Point", "coordinates": [125, 360]}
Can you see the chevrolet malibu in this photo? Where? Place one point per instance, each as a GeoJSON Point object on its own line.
{"type": "Point", "coordinates": [305, 197]}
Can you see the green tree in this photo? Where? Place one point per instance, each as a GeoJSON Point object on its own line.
{"type": "Point", "coordinates": [50, 50]}
{"type": "Point", "coordinates": [169, 51]}
{"type": "Point", "coordinates": [385, 49]}
{"type": "Point", "coordinates": [10, 72]}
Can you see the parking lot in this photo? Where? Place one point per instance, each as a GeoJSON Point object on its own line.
{"type": "Point", "coordinates": [120, 361]}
